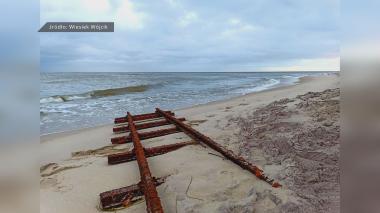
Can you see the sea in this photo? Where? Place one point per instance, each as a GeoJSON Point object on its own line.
{"type": "Point", "coordinates": [70, 101]}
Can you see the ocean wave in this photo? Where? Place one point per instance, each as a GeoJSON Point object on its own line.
{"type": "Point", "coordinates": [118, 91]}
{"type": "Point", "coordinates": [265, 84]}
{"type": "Point", "coordinates": [269, 83]}
{"type": "Point", "coordinates": [95, 94]}
{"type": "Point", "coordinates": [62, 98]}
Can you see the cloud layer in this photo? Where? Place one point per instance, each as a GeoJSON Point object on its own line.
{"type": "Point", "coordinates": [172, 35]}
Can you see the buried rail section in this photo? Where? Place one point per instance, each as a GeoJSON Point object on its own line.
{"type": "Point", "coordinates": [147, 186]}
{"type": "Point", "coordinates": [214, 145]}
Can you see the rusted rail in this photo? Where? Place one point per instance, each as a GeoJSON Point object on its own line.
{"type": "Point", "coordinates": [149, 152]}
{"type": "Point", "coordinates": [214, 145]}
{"type": "Point", "coordinates": [121, 129]}
{"type": "Point", "coordinates": [148, 185]}
{"type": "Point", "coordinates": [145, 135]}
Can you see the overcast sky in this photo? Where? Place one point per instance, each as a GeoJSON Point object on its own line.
{"type": "Point", "coordinates": [176, 35]}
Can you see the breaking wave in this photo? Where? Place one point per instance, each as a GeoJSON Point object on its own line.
{"type": "Point", "coordinates": [95, 94]}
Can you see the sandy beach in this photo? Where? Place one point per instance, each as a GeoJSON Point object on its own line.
{"type": "Point", "coordinates": [291, 132]}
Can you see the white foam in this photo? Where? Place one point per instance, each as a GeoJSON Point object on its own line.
{"type": "Point", "coordinates": [269, 84]}
{"type": "Point", "coordinates": [62, 98]}
{"type": "Point", "coordinates": [51, 100]}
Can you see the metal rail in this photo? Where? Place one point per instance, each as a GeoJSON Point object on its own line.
{"type": "Point", "coordinates": [121, 129]}
{"type": "Point", "coordinates": [214, 145]}
{"type": "Point", "coordinates": [149, 152]}
{"type": "Point", "coordinates": [145, 135]}
{"type": "Point", "coordinates": [139, 117]}
{"type": "Point", "coordinates": [148, 185]}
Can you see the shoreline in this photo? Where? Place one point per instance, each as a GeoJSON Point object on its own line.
{"type": "Point", "coordinates": [192, 110]}
{"type": "Point", "coordinates": [74, 169]}
{"type": "Point", "coordinates": [195, 112]}
{"type": "Point", "coordinates": [44, 137]}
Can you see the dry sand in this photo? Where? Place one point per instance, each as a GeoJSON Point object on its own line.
{"type": "Point", "coordinates": [74, 166]}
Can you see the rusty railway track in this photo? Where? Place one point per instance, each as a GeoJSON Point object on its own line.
{"type": "Point", "coordinates": [147, 185]}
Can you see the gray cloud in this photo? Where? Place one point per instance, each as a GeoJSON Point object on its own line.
{"type": "Point", "coordinates": [199, 36]}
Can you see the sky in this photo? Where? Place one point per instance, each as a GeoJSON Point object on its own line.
{"type": "Point", "coordinates": [194, 36]}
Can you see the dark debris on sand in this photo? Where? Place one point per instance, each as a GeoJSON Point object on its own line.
{"type": "Point", "coordinates": [302, 135]}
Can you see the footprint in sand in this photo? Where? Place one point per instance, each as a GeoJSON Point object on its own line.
{"type": "Point", "coordinates": [48, 182]}
{"type": "Point", "coordinates": [227, 108]}
{"type": "Point", "coordinates": [50, 179]}
{"type": "Point", "coordinates": [53, 168]}
{"type": "Point", "coordinates": [106, 150]}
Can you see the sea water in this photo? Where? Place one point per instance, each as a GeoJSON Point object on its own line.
{"type": "Point", "coordinates": [70, 101]}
